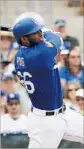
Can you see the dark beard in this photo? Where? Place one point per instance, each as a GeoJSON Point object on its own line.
{"type": "Point", "coordinates": [32, 43]}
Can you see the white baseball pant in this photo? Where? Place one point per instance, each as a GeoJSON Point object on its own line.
{"type": "Point", "coordinates": [48, 131]}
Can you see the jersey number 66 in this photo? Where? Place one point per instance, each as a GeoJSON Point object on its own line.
{"type": "Point", "coordinates": [28, 84]}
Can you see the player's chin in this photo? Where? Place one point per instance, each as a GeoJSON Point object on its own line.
{"type": "Point", "coordinates": [32, 44]}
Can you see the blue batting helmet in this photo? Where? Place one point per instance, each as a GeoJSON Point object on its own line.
{"type": "Point", "coordinates": [24, 27]}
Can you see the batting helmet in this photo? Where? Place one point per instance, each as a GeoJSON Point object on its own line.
{"type": "Point", "coordinates": [33, 15]}
{"type": "Point", "coordinates": [24, 27]}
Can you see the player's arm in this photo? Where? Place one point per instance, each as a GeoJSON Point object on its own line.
{"type": "Point", "coordinates": [55, 39]}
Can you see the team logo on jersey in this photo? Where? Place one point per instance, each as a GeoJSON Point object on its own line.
{"type": "Point", "coordinates": [20, 61]}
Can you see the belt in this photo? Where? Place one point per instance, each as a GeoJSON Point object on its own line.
{"type": "Point", "coordinates": [48, 113]}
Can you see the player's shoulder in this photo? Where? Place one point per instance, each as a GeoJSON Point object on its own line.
{"type": "Point", "coordinates": [20, 51]}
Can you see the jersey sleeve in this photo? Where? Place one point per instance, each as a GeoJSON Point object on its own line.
{"type": "Point", "coordinates": [54, 38]}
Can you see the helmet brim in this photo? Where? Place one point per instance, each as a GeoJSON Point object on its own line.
{"type": "Point", "coordinates": [34, 30]}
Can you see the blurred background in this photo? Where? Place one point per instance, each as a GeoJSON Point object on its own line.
{"type": "Point", "coordinates": [64, 16]}
{"type": "Point", "coordinates": [50, 10]}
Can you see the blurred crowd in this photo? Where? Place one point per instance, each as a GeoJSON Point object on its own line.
{"type": "Point", "coordinates": [71, 69]}
{"type": "Point", "coordinates": [14, 99]}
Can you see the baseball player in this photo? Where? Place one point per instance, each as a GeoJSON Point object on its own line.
{"type": "Point", "coordinates": [49, 121]}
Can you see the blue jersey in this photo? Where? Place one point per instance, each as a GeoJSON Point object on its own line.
{"type": "Point", "coordinates": [35, 67]}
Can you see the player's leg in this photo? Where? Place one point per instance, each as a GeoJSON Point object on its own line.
{"type": "Point", "coordinates": [54, 130]}
{"type": "Point", "coordinates": [74, 126]}
{"type": "Point", "coordinates": [45, 131]}
{"type": "Point", "coordinates": [34, 130]}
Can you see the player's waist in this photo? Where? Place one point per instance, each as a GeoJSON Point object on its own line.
{"type": "Point", "coordinates": [49, 113]}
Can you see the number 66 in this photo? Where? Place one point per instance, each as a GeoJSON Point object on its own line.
{"type": "Point", "coordinates": [27, 83]}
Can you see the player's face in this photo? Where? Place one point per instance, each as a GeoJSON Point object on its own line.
{"type": "Point", "coordinates": [32, 39]}
{"type": "Point", "coordinates": [35, 38]}
{"type": "Point", "coordinates": [14, 108]}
